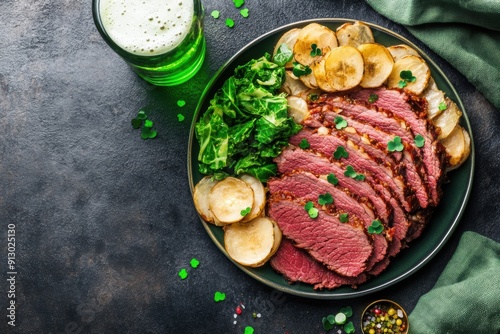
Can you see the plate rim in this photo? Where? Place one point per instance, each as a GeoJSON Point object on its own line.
{"type": "Point", "coordinates": [330, 294]}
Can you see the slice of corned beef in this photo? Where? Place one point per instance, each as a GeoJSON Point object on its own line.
{"type": "Point", "coordinates": [342, 247]}
{"type": "Point", "coordinates": [298, 266]}
{"type": "Point", "coordinates": [327, 144]}
{"type": "Point", "coordinates": [412, 110]}
{"type": "Point", "coordinates": [307, 187]}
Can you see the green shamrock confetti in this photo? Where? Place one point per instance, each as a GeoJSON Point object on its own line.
{"type": "Point", "coordinates": [349, 328]}
{"type": "Point", "coordinates": [180, 117]}
{"type": "Point", "coordinates": [406, 77]}
{"type": "Point", "coordinates": [325, 199]}
{"type": "Point", "coordinates": [219, 296]}
{"type": "Point", "coordinates": [442, 106]}
{"type": "Point", "coordinates": [136, 123]}
{"type": "Point", "coordinates": [304, 144]}
{"type": "Point", "coordinates": [147, 133]}
{"type": "Point", "coordinates": [215, 14]}
{"type": "Point", "coordinates": [340, 318]}
{"type": "Point", "coordinates": [347, 311]}
{"type": "Point", "coordinates": [194, 263]}
{"type": "Point", "coordinates": [238, 3]}
{"type": "Point", "coordinates": [350, 172]}
{"type": "Point", "coordinates": [344, 217]}
{"type": "Point", "coordinates": [300, 70]}
{"type": "Point", "coordinates": [395, 145]}
{"type": "Point", "coordinates": [148, 123]}
{"type": "Point", "coordinates": [419, 141]}
{"type": "Point", "coordinates": [181, 103]}
{"type": "Point", "coordinates": [313, 97]}
{"type": "Point", "coordinates": [311, 210]}
{"type": "Point", "coordinates": [340, 152]}
{"type": "Point", "coordinates": [142, 120]}
{"type": "Point", "coordinates": [229, 23]}
{"type": "Point", "coordinates": [183, 274]}
{"type": "Point", "coordinates": [340, 123]}
{"type": "Point", "coordinates": [249, 330]}
{"type": "Point", "coordinates": [246, 211]}
{"type": "Point", "coordinates": [142, 115]}
{"type": "Point", "coordinates": [328, 322]}
{"type": "Point", "coordinates": [315, 51]}
{"type": "Point", "coordinates": [244, 12]}
{"type": "Point", "coordinates": [376, 227]}
{"type": "Point", "coordinates": [373, 98]}
{"type": "Point", "coordinates": [332, 179]}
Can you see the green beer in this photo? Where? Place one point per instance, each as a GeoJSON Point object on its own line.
{"type": "Point", "coordinates": [161, 40]}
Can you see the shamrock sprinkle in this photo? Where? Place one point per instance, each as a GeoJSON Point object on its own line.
{"type": "Point", "coordinates": [395, 145]}
{"type": "Point", "coordinates": [229, 23]}
{"type": "Point", "coordinates": [315, 51]}
{"type": "Point", "coordinates": [340, 123]}
{"type": "Point", "coordinates": [246, 211]}
{"type": "Point", "coordinates": [249, 330]}
{"type": "Point", "coordinates": [244, 12]}
{"type": "Point", "coordinates": [350, 172]}
{"type": "Point", "coordinates": [180, 117]}
{"type": "Point", "coordinates": [238, 3]}
{"type": "Point", "coordinates": [419, 141]}
{"type": "Point", "coordinates": [332, 179]}
{"type": "Point", "coordinates": [344, 217]}
{"type": "Point", "coordinates": [406, 77]}
{"type": "Point", "coordinates": [304, 144]}
{"type": "Point", "coordinates": [347, 311]}
{"type": "Point", "coordinates": [183, 274]}
{"type": "Point", "coordinates": [148, 123]}
{"type": "Point", "coordinates": [328, 322]}
{"type": "Point", "coordinates": [442, 106]}
{"type": "Point", "coordinates": [373, 98]}
{"type": "Point", "coordinates": [215, 14]}
{"type": "Point", "coordinates": [181, 103]}
{"type": "Point", "coordinates": [136, 123]}
{"type": "Point", "coordinates": [219, 296]}
{"type": "Point", "coordinates": [340, 152]}
{"type": "Point", "coordinates": [194, 263]}
{"type": "Point", "coordinates": [325, 199]}
{"type": "Point", "coordinates": [313, 97]}
{"type": "Point", "coordinates": [349, 328]}
{"type": "Point", "coordinates": [142, 120]}
{"type": "Point", "coordinates": [376, 227]}
{"type": "Point", "coordinates": [300, 70]}
{"type": "Point", "coordinates": [311, 210]}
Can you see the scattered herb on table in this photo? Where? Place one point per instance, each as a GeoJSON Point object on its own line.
{"type": "Point", "coordinates": [238, 3]}
{"type": "Point", "coordinates": [339, 319]}
{"type": "Point", "coordinates": [244, 12]}
{"type": "Point", "coordinates": [219, 296]}
{"type": "Point", "coordinates": [180, 117]}
{"type": "Point", "coordinates": [229, 22]}
{"type": "Point", "coordinates": [183, 274]}
{"type": "Point", "coordinates": [141, 120]}
{"type": "Point", "coordinates": [194, 263]}
{"type": "Point", "coordinates": [215, 14]}
{"type": "Point", "coordinates": [181, 103]}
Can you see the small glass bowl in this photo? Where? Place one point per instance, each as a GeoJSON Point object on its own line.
{"type": "Point", "coordinates": [382, 314]}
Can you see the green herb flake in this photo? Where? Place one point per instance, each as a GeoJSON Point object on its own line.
{"type": "Point", "coordinates": [373, 98]}
{"type": "Point", "coordinates": [419, 141]}
{"type": "Point", "coordinates": [244, 12]}
{"type": "Point", "coordinates": [376, 227]}
{"type": "Point", "coordinates": [360, 177]}
{"type": "Point", "coordinates": [300, 70]}
{"type": "Point", "coordinates": [304, 144]}
{"type": "Point", "coordinates": [340, 152]}
{"type": "Point", "coordinates": [142, 115]}
{"type": "Point", "coordinates": [215, 14]}
{"type": "Point", "coordinates": [309, 205]}
{"type": "Point", "coordinates": [325, 199]}
{"type": "Point", "coordinates": [194, 263]}
{"type": "Point", "coordinates": [402, 84]}
{"type": "Point", "coordinates": [219, 296]}
{"type": "Point", "coordinates": [442, 106]}
{"type": "Point", "coordinates": [395, 145]}
{"type": "Point", "coordinates": [183, 274]}
{"type": "Point", "coordinates": [238, 3]}
{"type": "Point", "coordinates": [229, 22]}
{"type": "Point", "coordinates": [283, 55]}
{"type": "Point", "coordinates": [246, 211]}
{"type": "Point", "coordinates": [181, 103]}
{"type": "Point", "coordinates": [407, 76]}
{"type": "Point", "coordinates": [315, 51]}
{"type": "Point", "coordinates": [344, 218]}
{"type": "Point", "coordinates": [340, 123]}
{"type": "Point", "coordinates": [332, 179]}
{"type": "Point", "coordinates": [313, 97]}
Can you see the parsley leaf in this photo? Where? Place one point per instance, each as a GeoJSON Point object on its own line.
{"type": "Point", "coordinates": [325, 199]}
{"type": "Point", "coordinates": [419, 141]}
{"type": "Point", "coordinates": [332, 179]}
{"type": "Point", "coordinates": [395, 145]}
{"type": "Point", "coordinates": [315, 51]}
{"type": "Point", "coordinates": [340, 152]}
{"type": "Point", "coordinates": [340, 123]}
{"type": "Point", "coordinates": [300, 70]}
{"type": "Point", "coordinates": [304, 144]}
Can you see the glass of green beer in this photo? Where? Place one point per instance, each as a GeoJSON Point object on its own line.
{"type": "Point", "coordinates": [161, 40]}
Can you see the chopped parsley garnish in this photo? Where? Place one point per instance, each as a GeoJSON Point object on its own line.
{"type": "Point", "coordinates": [419, 141]}
{"type": "Point", "coordinates": [304, 144]}
{"type": "Point", "coordinates": [325, 199]}
{"type": "Point", "coordinates": [406, 76]}
{"type": "Point", "coordinates": [395, 145]}
{"type": "Point", "coordinates": [246, 211]}
{"type": "Point", "coordinates": [315, 51]}
{"type": "Point", "coordinates": [283, 55]}
{"type": "Point", "coordinates": [300, 70]}
{"type": "Point", "coordinates": [332, 179]}
{"type": "Point", "coordinates": [350, 172]}
{"type": "Point", "coordinates": [340, 152]}
{"type": "Point", "coordinates": [311, 210]}
{"type": "Point", "coordinates": [344, 217]}
{"type": "Point", "coordinates": [442, 106]}
{"type": "Point", "coordinates": [376, 227]}
{"type": "Point", "coordinates": [340, 123]}
{"type": "Point", "coordinates": [373, 98]}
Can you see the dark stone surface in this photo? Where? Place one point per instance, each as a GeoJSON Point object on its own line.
{"type": "Point", "coordinates": [104, 220]}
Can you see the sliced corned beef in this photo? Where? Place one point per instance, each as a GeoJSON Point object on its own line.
{"type": "Point", "coordinates": [342, 247]}
{"type": "Point", "coordinates": [298, 266]}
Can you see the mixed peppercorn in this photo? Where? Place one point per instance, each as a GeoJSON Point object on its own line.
{"type": "Point", "coordinates": [383, 317]}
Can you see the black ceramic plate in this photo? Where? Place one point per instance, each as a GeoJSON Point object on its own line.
{"type": "Point", "coordinates": [442, 224]}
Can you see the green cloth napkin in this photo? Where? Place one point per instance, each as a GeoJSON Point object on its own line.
{"type": "Point", "coordinates": [466, 33]}
{"type": "Point", "coordinates": [466, 297]}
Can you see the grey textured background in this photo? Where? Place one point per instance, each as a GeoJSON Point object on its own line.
{"type": "Point", "coordinates": [104, 220]}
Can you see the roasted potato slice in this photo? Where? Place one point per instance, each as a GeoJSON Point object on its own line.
{"type": "Point", "coordinates": [252, 243]}
{"type": "Point", "coordinates": [259, 197]}
{"type": "Point", "coordinates": [309, 80]}
{"type": "Point", "coordinates": [200, 198]}
{"type": "Point", "coordinates": [292, 85]}
{"type": "Point", "coordinates": [313, 34]}
{"type": "Point", "coordinates": [378, 64]}
{"type": "Point", "coordinates": [457, 145]}
{"type": "Point", "coordinates": [228, 198]}
{"type": "Point", "coordinates": [419, 69]}
{"type": "Point", "coordinates": [435, 97]}
{"type": "Point", "coordinates": [289, 38]}
{"type": "Point", "coordinates": [354, 34]}
{"type": "Point", "coordinates": [344, 67]}
{"type": "Point", "coordinates": [447, 119]}
{"type": "Point", "coordinates": [319, 72]}
{"type": "Point", "coordinates": [278, 235]}
{"type": "Point", "coordinates": [297, 108]}
{"type": "Point", "coordinates": [401, 50]}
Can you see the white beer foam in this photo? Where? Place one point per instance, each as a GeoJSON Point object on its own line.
{"type": "Point", "coordinates": [147, 27]}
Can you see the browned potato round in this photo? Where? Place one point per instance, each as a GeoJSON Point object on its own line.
{"type": "Point", "coordinates": [289, 38]}
{"type": "Point", "coordinates": [259, 196]}
{"type": "Point", "coordinates": [447, 119]}
{"type": "Point", "coordinates": [457, 146]}
{"type": "Point", "coordinates": [401, 50]}
{"type": "Point", "coordinates": [418, 68]}
{"type": "Point", "coordinates": [200, 197]}
{"type": "Point", "coordinates": [319, 72]}
{"type": "Point", "coordinates": [316, 34]}
{"type": "Point", "coordinates": [378, 64]}
{"type": "Point", "coordinates": [354, 34]}
{"type": "Point", "coordinates": [344, 67]}
{"type": "Point", "coordinates": [435, 97]}
{"type": "Point", "coordinates": [228, 198]}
